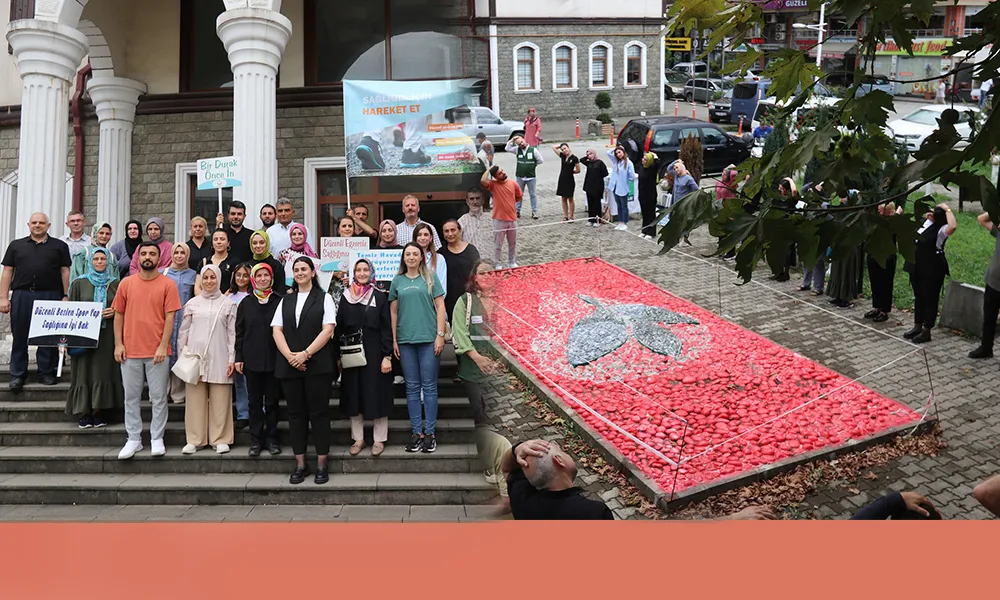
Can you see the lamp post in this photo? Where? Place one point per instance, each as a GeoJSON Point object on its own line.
{"type": "Point", "coordinates": [818, 28]}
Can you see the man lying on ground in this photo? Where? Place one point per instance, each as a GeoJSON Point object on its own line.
{"type": "Point", "coordinates": [898, 506]}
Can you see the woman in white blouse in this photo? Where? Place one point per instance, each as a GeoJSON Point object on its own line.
{"type": "Point", "coordinates": [423, 235]}
{"type": "Point", "coordinates": [208, 329]}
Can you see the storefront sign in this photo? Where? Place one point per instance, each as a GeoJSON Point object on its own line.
{"type": "Point", "coordinates": [919, 48]}
{"type": "Point", "coordinates": [783, 4]}
{"type": "Point", "coordinates": [398, 128]}
{"type": "Point", "coordinates": [681, 44]}
{"type": "Point", "coordinates": [385, 263]}
{"type": "Point", "coordinates": [71, 324]}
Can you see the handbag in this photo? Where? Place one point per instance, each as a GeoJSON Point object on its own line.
{"type": "Point", "coordinates": [188, 365]}
{"type": "Point", "coordinates": [352, 347]}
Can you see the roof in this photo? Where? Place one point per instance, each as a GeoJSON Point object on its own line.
{"type": "Point", "coordinates": [665, 120]}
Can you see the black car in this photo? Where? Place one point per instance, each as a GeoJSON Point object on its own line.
{"type": "Point", "coordinates": [663, 135]}
{"type": "Point", "coordinates": [720, 110]}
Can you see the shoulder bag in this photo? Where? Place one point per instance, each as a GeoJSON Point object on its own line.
{"type": "Point", "coordinates": [352, 346]}
{"type": "Point", "coordinates": [188, 365]}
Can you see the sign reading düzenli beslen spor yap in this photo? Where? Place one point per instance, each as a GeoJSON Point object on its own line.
{"type": "Point", "coordinates": [72, 324]}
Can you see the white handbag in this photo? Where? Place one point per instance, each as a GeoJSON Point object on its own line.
{"type": "Point", "coordinates": [188, 365]}
{"type": "Point", "coordinates": [352, 347]}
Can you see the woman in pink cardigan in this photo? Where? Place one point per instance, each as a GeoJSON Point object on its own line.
{"type": "Point", "coordinates": [154, 233]}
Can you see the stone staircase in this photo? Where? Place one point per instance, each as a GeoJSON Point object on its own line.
{"type": "Point", "coordinates": [46, 459]}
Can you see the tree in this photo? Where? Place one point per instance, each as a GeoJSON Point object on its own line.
{"type": "Point", "coordinates": [603, 102]}
{"type": "Point", "coordinates": [818, 118]}
{"type": "Point", "coordinates": [851, 151]}
{"type": "Point", "coordinates": [693, 156]}
{"type": "Point", "coordinates": [778, 138]}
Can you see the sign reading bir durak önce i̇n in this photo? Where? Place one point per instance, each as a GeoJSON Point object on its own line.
{"type": "Point", "coordinates": [394, 128]}
{"type": "Point", "coordinates": [73, 324]}
{"type": "Point", "coordinates": [222, 172]}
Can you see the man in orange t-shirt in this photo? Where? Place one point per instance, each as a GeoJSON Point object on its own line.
{"type": "Point", "coordinates": [145, 306]}
{"type": "Point", "coordinates": [506, 194]}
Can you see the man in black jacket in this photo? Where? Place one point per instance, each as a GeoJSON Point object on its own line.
{"type": "Point", "coordinates": [540, 485]}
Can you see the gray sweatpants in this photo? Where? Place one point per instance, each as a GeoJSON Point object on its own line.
{"type": "Point", "coordinates": [135, 371]}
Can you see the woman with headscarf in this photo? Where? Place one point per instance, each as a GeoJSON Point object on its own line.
{"type": "Point", "coordinates": [181, 273]}
{"type": "Point", "coordinates": [124, 249]}
{"type": "Point", "coordinates": [844, 286]}
{"type": "Point", "coordinates": [366, 392]}
{"type": "Point", "coordinates": [154, 232]}
{"type": "Point", "coordinates": [725, 188]}
{"type": "Point", "coordinates": [299, 237]}
{"type": "Point", "coordinates": [100, 236]}
{"type": "Point", "coordinates": [208, 329]}
{"type": "Point", "coordinates": [387, 236]}
{"type": "Point", "coordinates": [96, 380]}
{"type": "Point", "coordinates": [260, 247]}
{"type": "Point", "coordinates": [256, 356]}
{"type": "Point", "coordinates": [648, 191]}
{"type": "Point", "coordinates": [928, 270]}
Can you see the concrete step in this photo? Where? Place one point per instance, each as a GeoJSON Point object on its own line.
{"type": "Point", "coordinates": [174, 489]}
{"type": "Point", "coordinates": [449, 431]}
{"type": "Point", "coordinates": [54, 411]}
{"type": "Point", "coordinates": [449, 458]}
{"type": "Point", "coordinates": [36, 391]}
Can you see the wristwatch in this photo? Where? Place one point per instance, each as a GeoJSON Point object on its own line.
{"type": "Point", "coordinates": [440, 334]}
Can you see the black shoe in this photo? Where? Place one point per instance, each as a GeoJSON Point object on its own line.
{"type": "Point", "coordinates": [518, 214]}
{"type": "Point", "coordinates": [274, 449]}
{"type": "Point", "coordinates": [241, 424]}
{"type": "Point", "coordinates": [981, 352]}
{"type": "Point", "coordinates": [880, 317]}
{"type": "Point", "coordinates": [534, 215]}
{"type": "Point", "coordinates": [917, 328]}
{"type": "Point", "coordinates": [804, 288]}
{"type": "Point", "coordinates": [430, 444]}
{"type": "Point", "coordinates": [98, 421]}
{"type": "Point", "coordinates": [16, 384]}
{"type": "Point", "coordinates": [416, 443]}
{"type": "Point", "coordinates": [322, 476]}
{"type": "Point", "coordinates": [413, 158]}
{"type": "Point", "coordinates": [783, 277]}
{"type": "Point", "coordinates": [845, 304]}
{"type": "Point", "coordinates": [369, 152]}
{"type": "Point", "coordinates": [397, 137]}
{"type": "Point", "coordinates": [298, 475]}
{"type": "Point", "coordinates": [872, 313]}
{"type": "Point", "coordinates": [47, 380]}
{"type": "Point", "coordinates": [923, 337]}
{"type": "Point", "coordinates": [84, 422]}
{"type": "Point", "coordinates": [254, 450]}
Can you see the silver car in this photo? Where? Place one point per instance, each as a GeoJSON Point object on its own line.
{"type": "Point", "coordinates": [703, 90]}
{"type": "Point", "coordinates": [481, 119]}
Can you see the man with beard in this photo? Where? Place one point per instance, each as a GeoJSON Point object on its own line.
{"type": "Point", "coordinates": [239, 236]}
{"type": "Point", "coordinates": [268, 215]}
{"type": "Point", "coordinates": [145, 307]}
{"type": "Point", "coordinates": [506, 195]}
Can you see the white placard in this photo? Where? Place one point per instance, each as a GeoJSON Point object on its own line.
{"type": "Point", "coordinates": [384, 262]}
{"type": "Point", "coordinates": [340, 248]}
{"type": "Point", "coordinates": [221, 172]}
{"type": "Point", "coordinates": [71, 324]}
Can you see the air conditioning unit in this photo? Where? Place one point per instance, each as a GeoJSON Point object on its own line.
{"type": "Point", "coordinates": [780, 26]}
{"type": "Point", "coordinates": [772, 18]}
{"type": "Point", "coordinates": [779, 37]}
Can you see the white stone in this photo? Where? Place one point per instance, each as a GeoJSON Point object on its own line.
{"type": "Point", "coordinates": [255, 40]}
{"type": "Point", "coordinates": [47, 55]}
{"type": "Point", "coordinates": [115, 99]}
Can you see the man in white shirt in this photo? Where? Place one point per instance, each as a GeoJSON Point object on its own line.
{"type": "Point", "coordinates": [76, 239]}
{"type": "Point", "coordinates": [280, 230]}
{"type": "Point", "coordinates": [411, 218]}
{"type": "Point", "coordinates": [477, 224]}
{"type": "Point", "coordinates": [984, 90]}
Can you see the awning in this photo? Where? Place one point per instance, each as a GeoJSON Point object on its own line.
{"type": "Point", "coordinates": [834, 49]}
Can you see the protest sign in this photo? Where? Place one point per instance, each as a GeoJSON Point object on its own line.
{"type": "Point", "coordinates": [71, 324]}
{"type": "Point", "coordinates": [219, 173]}
{"type": "Point", "coordinates": [340, 248]}
{"type": "Point", "coordinates": [385, 263]}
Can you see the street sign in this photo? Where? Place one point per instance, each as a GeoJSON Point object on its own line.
{"type": "Point", "coordinates": [678, 44]}
{"type": "Point", "coordinates": [757, 40]}
{"type": "Point", "coordinates": [219, 173]}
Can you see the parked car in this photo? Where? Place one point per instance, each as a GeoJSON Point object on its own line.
{"type": "Point", "coordinates": [720, 110]}
{"type": "Point", "coordinates": [703, 90]}
{"type": "Point", "coordinates": [673, 84]}
{"type": "Point", "coordinates": [691, 69]}
{"type": "Point", "coordinates": [750, 75]}
{"type": "Point", "coordinates": [914, 128]}
{"type": "Point", "coordinates": [662, 135]}
{"type": "Point", "coordinates": [846, 79]}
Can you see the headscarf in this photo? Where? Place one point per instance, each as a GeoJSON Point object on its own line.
{"type": "Point", "coordinates": [187, 250]}
{"type": "Point", "coordinates": [648, 159]}
{"type": "Point", "coordinates": [304, 248]}
{"type": "Point", "coordinates": [132, 244]}
{"type": "Point", "coordinates": [93, 233]}
{"type": "Point", "coordinates": [218, 277]}
{"type": "Point", "coordinates": [99, 279]}
{"type": "Point", "coordinates": [262, 294]}
{"type": "Point", "coordinates": [360, 294]}
{"type": "Point", "coordinates": [267, 245]}
{"type": "Point", "coordinates": [382, 244]}
{"type": "Point", "coordinates": [159, 222]}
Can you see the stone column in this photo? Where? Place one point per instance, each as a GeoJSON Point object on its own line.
{"type": "Point", "coordinates": [47, 55]}
{"type": "Point", "coordinates": [255, 39]}
{"type": "Point", "coordinates": [115, 99]}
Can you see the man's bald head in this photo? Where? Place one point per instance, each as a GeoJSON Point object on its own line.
{"type": "Point", "coordinates": [38, 225]}
{"type": "Point", "coordinates": [555, 471]}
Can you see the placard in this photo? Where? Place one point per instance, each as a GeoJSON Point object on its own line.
{"type": "Point", "coordinates": [384, 262]}
{"type": "Point", "coordinates": [71, 324]}
{"type": "Point", "coordinates": [221, 172]}
{"type": "Point", "coordinates": [340, 248]}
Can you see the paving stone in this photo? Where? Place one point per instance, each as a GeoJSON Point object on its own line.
{"type": "Point", "coordinates": [217, 513]}
{"type": "Point", "coordinates": [285, 513]}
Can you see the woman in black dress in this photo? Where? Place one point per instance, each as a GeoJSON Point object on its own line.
{"type": "Point", "coordinates": [593, 185]}
{"type": "Point", "coordinates": [256, 357]}
{"type": "Point", "coordinates": [567, 183]}
{"type": "Point", "coordinates": [366, 392]}
{"type": "Point", "coordinates": [461, 257]}
{"type": "Point", "coordinates": [928, 271]}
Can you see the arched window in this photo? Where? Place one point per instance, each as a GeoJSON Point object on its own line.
{"type": "Point", "coordinates": [635, 64]}
{"type": "Point", "coordinates": [564, 67]}
{"type": "Point", "coordinates": [600, 66]}
{"type": "Point", "coordinates": [526, 68]}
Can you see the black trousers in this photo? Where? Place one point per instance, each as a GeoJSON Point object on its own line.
{"type": "Point", "coordinates": [594, 205]}
{"type": "Point", "coordinates": [20, 323]}
{"type": "Point", "coordinates": [308, 402]}
{"type": "Point", "coordinates": [991, 309]}
{"type": "Point", "coordinates": [648, 208]}
{"type": "Point", "coordinates": [881, 279]}
{"type": "Point", "coordinates": [475, 394]}
{"type": "Point", "coordinates": [926, 287]}
{"type": "Point", "coordinates": [262, 389]}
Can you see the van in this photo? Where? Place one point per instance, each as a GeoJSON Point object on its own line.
{"type": "Point", "coordinates": [692, 69]}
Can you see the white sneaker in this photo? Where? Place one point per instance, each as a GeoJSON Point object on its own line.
{"type": "Point", "coordinates": [189, 449]}
{"type": "Point", "coordinates": [595, 225]}
{"type": "Point", "coordinates": [499, 267]}
{"type": "Point", "coordinates": [398, 380]}
{"type": "Point", "coordinates": [129, 450]}
{"type": "Point", "coordinates": [158, 448]}
{"type": "Point", "coordinates": [513, 265]}
{"type": "Point", "coordinates": [222, 448]}
{"type": "Point", "coordinates": [621, 227]}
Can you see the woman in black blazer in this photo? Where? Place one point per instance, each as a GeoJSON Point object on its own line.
{"type": "Point", "coordinates": [303, 326]}
{"type": "Point", "coordinates": [256, 355]}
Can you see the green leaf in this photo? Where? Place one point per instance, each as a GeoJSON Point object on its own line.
{"type": "Point", "coordinates": [871, 110]}
{"type": "Point", "coordinates": [977, 189]}
{"type": "Point", "coordinates": [881, 244]}
{"type": "Point", "coordinates": [686, 214]}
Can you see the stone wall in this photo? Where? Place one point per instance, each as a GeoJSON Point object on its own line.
{"type": "Point", "coordinates": [571, 104]}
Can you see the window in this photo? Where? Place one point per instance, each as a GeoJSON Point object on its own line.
{"type": "Point", "coordinates": [349, 41]}
{"type": "Point", "coordinates": [204, 60]}
{"type": "Point", "coordinates": [600, 65]}
{"type": "Point", "coordinates": [662, 137]}
{"type": "Point", "coordinates": [526, 68]}
{"type": "Point", "coordinates": [205, 203]}
{"type": "Point", "coordinates": [713, 137]}
{"type": "Point", "coordinates": [635, 64]}
{"type": "Point", "coordinates": [564, 66]}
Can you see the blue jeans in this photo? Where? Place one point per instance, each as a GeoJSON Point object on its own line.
{"type": "Point", "coordinates": [242, 397]}
{"type": "Point", "coordinates": [817, 275]}
{"type": "Point", "coordinates": [528, 187]}
{"type": "Point", "coordinates": [622, 202]}
{"type": "Point", "coordinates": [420, 370]}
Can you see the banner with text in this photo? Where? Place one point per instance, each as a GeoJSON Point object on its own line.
{"type": "Point", "coordinates": [385, 263]}
{"type": "Point", "coordinates": [72, 324]}
{"type": "Point", "coordinates": [409, 128]}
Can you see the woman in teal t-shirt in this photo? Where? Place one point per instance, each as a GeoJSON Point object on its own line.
{"type": "Point", "coordinates": [416, 299]}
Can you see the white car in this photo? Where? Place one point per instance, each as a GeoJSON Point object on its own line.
{"type": "Point", "coordinates": [914, 128]}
